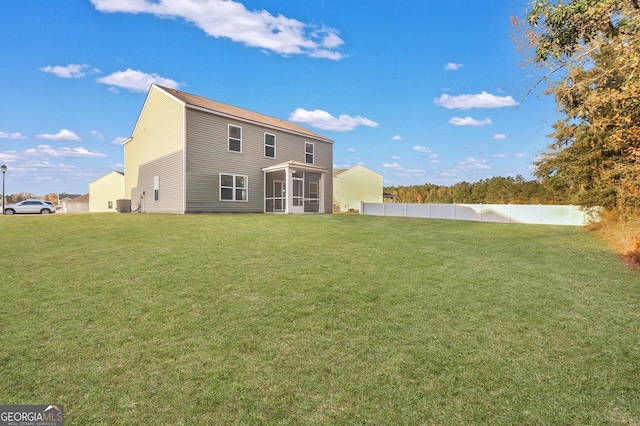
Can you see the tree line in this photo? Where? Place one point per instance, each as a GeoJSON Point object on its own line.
{"type": "Point", "coordinates": [16, 198]}
{"type": "Point", "coordinates": [590, 52]}
{"type": "Point", "coordinates": [496, 190]}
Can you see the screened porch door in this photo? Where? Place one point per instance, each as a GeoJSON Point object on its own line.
{"type": "Point", "coordinates": [279, 196]}
{"type": "Point", "coordinates": [298, 195]}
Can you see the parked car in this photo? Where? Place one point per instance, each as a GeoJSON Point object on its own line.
{"type": "Point", "coordinates": [30, 206]}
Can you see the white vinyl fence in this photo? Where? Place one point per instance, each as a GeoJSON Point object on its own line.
{"type": "Point", "coordinates": [500, 213]}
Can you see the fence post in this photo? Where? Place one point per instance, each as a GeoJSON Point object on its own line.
{"type": "Point", "coordinates": [571, 212]}
{"type": "Point", "coordinates": [540, 214]}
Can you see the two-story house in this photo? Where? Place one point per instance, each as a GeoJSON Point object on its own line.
{"type": "Point", "coordinates": [190, 154]}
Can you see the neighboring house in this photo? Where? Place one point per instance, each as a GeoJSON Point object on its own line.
{"type": "Point", "coordinates": [105, 192]}
{"type": "Point", "coordinates": [191, 154]}
{"type": "Point", "coordinates": [64, 198]}
{"type": "Point", "coordinates": [355, 185]}
{"type": "Point", "coordinates": [77, 205]}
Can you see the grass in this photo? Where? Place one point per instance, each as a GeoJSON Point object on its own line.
{"type": "Point", "coordinates": [325, 319]}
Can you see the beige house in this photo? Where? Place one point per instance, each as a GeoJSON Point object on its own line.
{"type": "Point", "coordinates": [105, 191]}
{"type": "Point", "coordinates": [355, 185]}
{"type": "Point", "coordinates": [192, 154]}
{"type": "Point", "coordinates": [78, 204]}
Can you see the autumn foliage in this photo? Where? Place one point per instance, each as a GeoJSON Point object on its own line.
{"type": "Point", "coordinates": [591, 49]}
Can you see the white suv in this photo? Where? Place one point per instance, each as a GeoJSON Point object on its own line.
{"type": "Point", "coordinates": [30, 206]}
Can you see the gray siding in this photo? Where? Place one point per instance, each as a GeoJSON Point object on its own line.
{"type": "Point", "coordinates": [207, 156]}
{"type": "Point", "coordinates": [169, 170]}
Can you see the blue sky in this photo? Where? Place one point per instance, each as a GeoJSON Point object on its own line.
{"type": "Point", "coordinates": [418, 91]}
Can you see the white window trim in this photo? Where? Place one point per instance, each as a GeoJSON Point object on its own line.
{"type": "Point", "coordinates": [156, 189]}
{"type": "Point", "coordinates": [274, 145]}
{"type": "Point", "coordinates": [246, 188]}
{"type": "Point", "coordinates": [229, 126]}
{"type": "Point", "coordinates": [313, 153]}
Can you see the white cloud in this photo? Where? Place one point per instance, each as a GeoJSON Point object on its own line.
{"type": "Point", "coordinates": [62, 135]}
{"type": "Point", "coordinates": [118, 141]}
{"type": "Point", "coordinates": [481, 100]}
{"type": "Point", "coordinates": [46, 150]}
{"type": "Point", "coordinates": [421, 149]}
{"type": "Point", "coordinates": [452, 66]}
{"type": "Point", "coordinates": [97, 134]}
{"type": "Point", "coordinates": [324, 120]}
{"type": "Point", "coordinates": [137, 81]}
{"type": "Point", "coordinates": [468, 121]}
{"type": "Point", "coordinates": [351, 150]}
{"type": "Point", "coordinates": [395, 157]}
{"type": "Point", "coordinates": [498, 136]}
{"type": "Point", "coordinates": [472, 163]}
{"type": "Point", "coordinates": [397, 138]}
{"type": "Point", "coordinates": [392, 166]}
{"type": "Point", "coordinates": [70, 71]}
{"type": "Point", "coordinates": [231, 19]}
{"type": "Point", "coordinates": [16, 135]}
{"type": "Point", "coordinates": [516, 155]}
{"type": "Point", "coordinates": [342, 166]}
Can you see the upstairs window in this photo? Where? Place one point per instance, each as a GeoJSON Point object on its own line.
{"type": "Point", "coordinates": [235, 138]}
{"type": "Point", "coordinates": [308, 150]}
{"type": "Point", "coordinates": [269, 145]}
{"type": "Point", "coordinates": [233, 187]}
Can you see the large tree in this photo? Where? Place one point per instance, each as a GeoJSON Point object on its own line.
{"type": "Point", "coordinates": [592, 50]}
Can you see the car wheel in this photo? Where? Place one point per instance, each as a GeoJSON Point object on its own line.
{"type": "Point", "coordinates": [44, 211]}
{"type": "Point", "coordinates": [9, 212]}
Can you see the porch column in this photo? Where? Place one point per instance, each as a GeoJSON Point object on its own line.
{"type": "Point", "coordinates": [288, 190]}
{"type": "Point", "coordinates": [321, 191]}
{"type": "Point", "coordinates": [264, 192]}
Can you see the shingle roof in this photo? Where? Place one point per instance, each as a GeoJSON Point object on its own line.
{"type": "Point", "coordinates": [240, 113]}
{"type": "Point", "coordinates": [64, 195]}
{"type": "Point", "coordinates": [81, 199]}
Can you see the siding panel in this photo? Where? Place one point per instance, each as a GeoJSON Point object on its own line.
{"type": "Point", "coordinates": [167, 169]}
{"type": "Point", "coordinates": [158, 136]}
{"type": "Point", "coordinates": [207, 157]}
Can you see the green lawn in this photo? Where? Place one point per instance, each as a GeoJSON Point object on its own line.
{"type": "Point", "coordinates": [321, 319]}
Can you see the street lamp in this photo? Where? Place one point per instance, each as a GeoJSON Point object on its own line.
{"type": "Point", "coordinates": [4, 170]}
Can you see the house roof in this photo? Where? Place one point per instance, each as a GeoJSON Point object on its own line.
{"type": "Point", "coordinates": [64, 196]}
{"type": "Point", "coordinates": [107, 174]}
{"type": "Point", "coordinates": [336, 172]}
{"type": "Point", "coordinates": [81, 199]}
{"type": "Point", "coordinates": [220, 108]}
